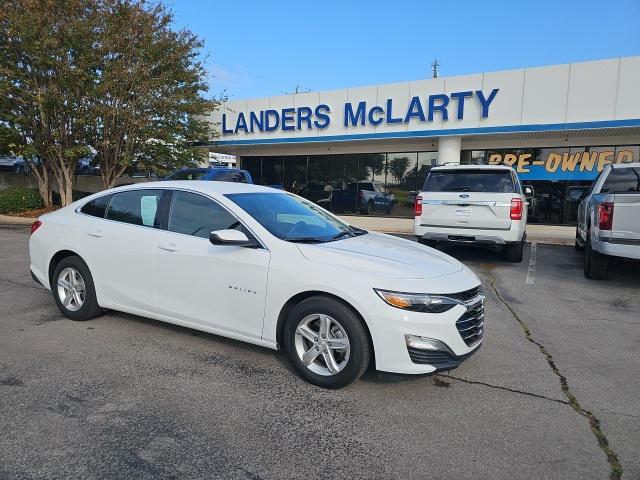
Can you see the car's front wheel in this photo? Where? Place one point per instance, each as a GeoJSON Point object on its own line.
{"type": "Point", "coordinates": [326, 342]}
{"type": "Point", "coordinates": [73, 289]}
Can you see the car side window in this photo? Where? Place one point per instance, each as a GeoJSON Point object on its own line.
{"type": "Point", "coordinates": [137, 207]}
{"type": "Point", "coordinates": [96, 207]}
{"type": "Point", "coordinates": [193, 214]}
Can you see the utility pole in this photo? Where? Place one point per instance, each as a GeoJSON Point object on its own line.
{"type": "Point", "coordinates": [434, 68]}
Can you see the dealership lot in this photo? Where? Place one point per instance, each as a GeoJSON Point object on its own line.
{"type": "Point", "coordinates": [552, 394]}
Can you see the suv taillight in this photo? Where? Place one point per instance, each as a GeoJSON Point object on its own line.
{"type": "Point", "coordinates": [605, 216]}
{"type": "Point", "coordinates": [516, 209]}
{"type": "Point", "coordinates": [35, 225]}
{"type": "Point", "coordinates": [417, 206]}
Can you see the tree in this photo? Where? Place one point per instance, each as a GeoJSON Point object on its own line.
{"type": "Point", "coordinates": [108, 77]}
{"type": "Point", "coordinates": [398, 167]}
{"type": "Point", "coordinates": [43, 77]}
{"type": "Point", "coordinates": [147, 103]}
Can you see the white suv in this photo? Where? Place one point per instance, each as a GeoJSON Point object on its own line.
{"type": "Point", "coordinates": [474, 204]}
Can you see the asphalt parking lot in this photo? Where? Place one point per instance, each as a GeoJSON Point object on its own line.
{"type": "Point", "coordinates": [553, 393]}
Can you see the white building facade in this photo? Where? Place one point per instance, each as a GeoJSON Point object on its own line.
{"type": "Point", "coordinates": [557, 126]}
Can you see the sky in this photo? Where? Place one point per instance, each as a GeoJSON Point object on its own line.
{"type": "Point", "coordinates": [267, 48]}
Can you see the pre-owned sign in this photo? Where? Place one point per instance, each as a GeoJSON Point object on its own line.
{"type": "Point", "coordinates": [562, 165]}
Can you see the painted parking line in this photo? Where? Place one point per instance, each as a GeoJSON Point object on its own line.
{"type": "Point", "coordinates": [531, 272]}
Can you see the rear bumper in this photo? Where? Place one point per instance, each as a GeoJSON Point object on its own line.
{"type": "Point", "coordinates": [617, 248]}
{"type": "Point", "coordinates": [478, 236]}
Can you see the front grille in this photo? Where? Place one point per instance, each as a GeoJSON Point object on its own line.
{"type": "Point", "coordinates": [471, 323]}
{"type": "Point", "coordinates": [466, 295]}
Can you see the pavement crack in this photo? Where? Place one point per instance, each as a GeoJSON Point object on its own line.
{"type": "Point", "coordinates": [594, 422]}
{"type": "Point", "coordinates": [507, 389]}
{"type": "Point", "coordinates": [21, 284]}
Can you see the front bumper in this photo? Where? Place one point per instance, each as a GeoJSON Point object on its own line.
{"type": "Point", "coordinates": [394, 354]}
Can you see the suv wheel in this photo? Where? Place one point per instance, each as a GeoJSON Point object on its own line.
{"type": "Point", "coordinates": [515, 252]}
{"type": "Point", "coordinates": [428, 243]}
{"type": "Point", "coordinates": [596, 265]}
{"type": "Point", "coordinates": [326, 342]}
{"type": "Point", "coordinates": [73, 289]}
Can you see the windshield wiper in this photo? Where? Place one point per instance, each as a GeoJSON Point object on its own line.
{"type": "Point", "coordinates": [342, 234]}
{"type": "Point", "coordinates": [358, 231]}
{"type": "Point", "coordinates": [305, 240]}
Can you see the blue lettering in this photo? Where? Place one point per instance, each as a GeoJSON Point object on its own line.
{"type": "Point", "coordinates": [460, 96]}
{"type": "Point", "coordinates": [390, 118]}
{"type": "Point", "coordinates": [304, 115]}
{"type": "Point", "coordinates": [415, 110]}
{"type": "Point", "coordinates": [241, 123]}
{"type": "Point", "coordinates": [225, 130]}
{"type": "Point", "coordinates": [255, 121]}
{"type": "Point", "coordinates": [485, 102]}
{"type": "Point", "coordinates": [268, 127]}
{"type": "Point", "coordinates": [442, 108]}
{"type": "Point", "coordinates": [359, 116]}
{"type": "Point", "coordinates": [321, 113]}
{"type": "Point", "coordinates": [287, 116]}
{"type": "Point", "coordinates": [373, 111]}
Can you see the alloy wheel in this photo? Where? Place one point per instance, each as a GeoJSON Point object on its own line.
{"type": "Point", "coordinates": [71, 289]}
{"type": "Point", "coordinates": [322, 344]}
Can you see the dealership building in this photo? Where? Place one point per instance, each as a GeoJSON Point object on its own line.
{"type": "Point", "coordinates": [556, 125]}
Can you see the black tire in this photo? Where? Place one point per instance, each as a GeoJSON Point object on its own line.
{"type": "Point", "coordinates": [90, 308]}
{"type": "Point", "coordinates": [360, 348]}
{"type": "Point", "coordinates": [515, 252]}
{"type": "Point", "coordinates": [577, 246]}
{"type": "Point", "coordinates": [596, 265]}
{"type": "Point", "coordinates": [368, 209]}
{"type": "Point", "coordinates": [428, 243]}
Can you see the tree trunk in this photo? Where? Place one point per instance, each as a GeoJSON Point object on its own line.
{"type": "Point", "coordinates": [44, 184]}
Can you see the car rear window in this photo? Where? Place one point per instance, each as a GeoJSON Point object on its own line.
{"type": "Point", "coordinates": [231, 176]}
{"type": "Point", "coordinates": [622, 180]}
{"type": "Point", "coordinates": [188, 175]}
{"type": "Point", "coordinates": [495, 181]}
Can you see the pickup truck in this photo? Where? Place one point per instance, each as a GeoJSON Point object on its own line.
{"type": "Point", "coordinates": [364, 196]}
{"type": "Point", "coordinates": [609, 219]}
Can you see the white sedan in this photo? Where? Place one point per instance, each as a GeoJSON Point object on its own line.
{"type": "Point", "coordinates": [266, 267]}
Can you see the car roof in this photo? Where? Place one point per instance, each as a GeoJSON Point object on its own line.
{"type": "Point", "coordinates": [202, 186]}
{"type": "Point", "coordinates": [471, 167]}
{"type": "Point", "coordinates": [206, 169]}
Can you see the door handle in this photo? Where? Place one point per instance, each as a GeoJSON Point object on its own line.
{"type": "Point", "coordinates": [95, 233]}
{"type": "Point", "coordinates": [169, 247]}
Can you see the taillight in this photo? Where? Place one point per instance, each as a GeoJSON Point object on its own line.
{"type": "Point", "coordinates": [605, 216]}
{"type": "Point", "coordinates": [417, 206]}
{"type": "Point", "coordinates": [516, 209]}
{"type": "Point", "coordinates": [35, 225]}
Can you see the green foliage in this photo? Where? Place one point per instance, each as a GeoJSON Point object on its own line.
{"type": "Point", "coordinates": [397, 167]}
{"type": "Point", "coordinates": [19, 199]}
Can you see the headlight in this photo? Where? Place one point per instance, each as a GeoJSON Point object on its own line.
{"type": "Point", "coordinates": [417, 302]}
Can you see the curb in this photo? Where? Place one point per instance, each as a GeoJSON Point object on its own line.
{"type": "Point", "coordinates": [11, 220]}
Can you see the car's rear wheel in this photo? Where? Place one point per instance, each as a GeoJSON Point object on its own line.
{"type": "Point", "coordinates": [73, 289]}
{"type": "Point", "coordinates": [596, 265]}
{"type": "Point", "coordinates": [326, 342]}
{"type": "Point", "coordinates": [515, 252]}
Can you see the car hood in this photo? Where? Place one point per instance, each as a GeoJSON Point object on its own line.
{"type": "Point", "coordinates": [383, 255]}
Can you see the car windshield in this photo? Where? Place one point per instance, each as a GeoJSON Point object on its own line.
{"type": "Point", "coordinates": [292, 218]}
{"type": "Point", "coordinates": [495, 181]}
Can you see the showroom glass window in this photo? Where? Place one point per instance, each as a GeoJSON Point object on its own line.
{"type": "Point", "coordinates": [136, 207]}
{"type": "Point", "coordinates": [197, 215]}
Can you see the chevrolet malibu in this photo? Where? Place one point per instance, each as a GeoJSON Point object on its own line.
{"type": "Point", "coordinates": [262, 266]}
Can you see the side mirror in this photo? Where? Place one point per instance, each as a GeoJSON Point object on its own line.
{"type": "Point", "coordinates": [231, 237]}
{"type": "Point", "coordinates": [528, 191]}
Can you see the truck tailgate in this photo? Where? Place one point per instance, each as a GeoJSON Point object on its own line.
{"type": "Point", "coordinates": [626, 216]}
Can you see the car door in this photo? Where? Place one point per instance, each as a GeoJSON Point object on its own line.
{"type": "Point", "coordinates": [218, 286]}
{"type": "Point", "coordinates": [120, 248]}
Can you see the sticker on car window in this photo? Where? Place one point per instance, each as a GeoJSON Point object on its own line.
{"type": "Point", "coordinates": [148, 208]}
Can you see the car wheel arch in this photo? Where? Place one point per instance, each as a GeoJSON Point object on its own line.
{"type": "Point", "coordinates": [299, 297]}
{"type": "Point", "coordinates": [56, 259]}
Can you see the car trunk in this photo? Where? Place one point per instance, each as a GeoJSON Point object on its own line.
{"type": "Point", "coordinates": [468, 198]}
{"type": "Point", "coordinates": [467, 210]}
